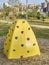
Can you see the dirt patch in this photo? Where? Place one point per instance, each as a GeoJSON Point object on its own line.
{"type": "Point", "coordinates": [43, 59]}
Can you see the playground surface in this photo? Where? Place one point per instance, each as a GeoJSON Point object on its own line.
{"type": "Point", "coordinates": [43, 59]}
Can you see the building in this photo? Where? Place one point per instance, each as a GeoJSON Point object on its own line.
{"type": "Point", "coordinates": [45, 7]}
{"type": "Point", "coordinates": [48, 7]}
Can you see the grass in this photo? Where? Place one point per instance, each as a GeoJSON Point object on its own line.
{"type": "Point", "coordinates": [4, 29]}
{"type": "Point", "coordinates": [40, 22]}
{"type": "Point", "coordinates": [40, 33]}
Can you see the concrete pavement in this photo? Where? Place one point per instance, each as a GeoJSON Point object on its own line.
{"type": "Point", "coordinates": [39, 26]}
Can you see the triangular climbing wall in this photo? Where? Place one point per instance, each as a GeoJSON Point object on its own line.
{"type": "Point", "coordinates": [21, 41]}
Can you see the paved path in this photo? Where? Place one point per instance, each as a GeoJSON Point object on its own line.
{"type": "Point", "coordinates": [39, 26]}
{"type": "Point", "coordinates": [3, 21]}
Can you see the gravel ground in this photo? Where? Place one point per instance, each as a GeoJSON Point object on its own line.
{"type": "Point", "coordinates": [43, 59]}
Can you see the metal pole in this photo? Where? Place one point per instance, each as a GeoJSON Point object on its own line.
{"type": "Point", "coordinates": [26, 9]}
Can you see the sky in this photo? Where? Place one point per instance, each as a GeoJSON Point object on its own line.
{"type": "Point", "coordinates": [23, 1]}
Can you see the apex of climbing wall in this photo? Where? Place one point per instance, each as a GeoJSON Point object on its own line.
{"type": "Point", "coordinates": [21, 41]}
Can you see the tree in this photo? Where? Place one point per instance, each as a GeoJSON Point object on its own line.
{"type": "Point", "coordinates": [6, 13]}
{"type": "Point", "coordinates": [48, 14]}
{"type": "Point", "coordinates": [43, 19]}
{"type": "Point", "coordinates": [38, 15]}
{"type": "Point", "coordinates": [22, 16]}
{"type": "Point", "coordinates": [46, 1]}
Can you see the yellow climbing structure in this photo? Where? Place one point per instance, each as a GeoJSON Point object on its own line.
{"type": "Point", "coordinates": [21, 41]}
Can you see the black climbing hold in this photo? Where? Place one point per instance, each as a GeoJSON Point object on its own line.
{"type": "Point", "coordinates": [27, 51]}
{"type": "Point", "coordinates": [28, 28]}
{"type": "Point", "coordinates": [16, 37]}
{"type": "Point", "coordinates": [34, 44]}
{"type": "Point", "coordinates": [17, 26]}
{"type": "Point", "coordinates": [9, 40]}
{"type": "Point", "coordinates": [14, 50]}
{"type": "Point", "coordinates": [7, 50]}
{"type": "Point", "coordinates": [28, 38]}
{"type": "Point", "coordinates": [22, 45]}
{"type": "Point", "coordinates": [23, 21]}
{"type": "Point", "coordinates": [21, 56]}
{"type": "Point", "coordinates": [22, 32]}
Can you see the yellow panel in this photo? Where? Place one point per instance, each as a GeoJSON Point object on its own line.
{"type": "Point", "coordinates": [22, 41]}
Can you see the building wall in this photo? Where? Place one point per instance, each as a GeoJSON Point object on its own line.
{"type": "Point", "coordinates": [48, 6]}
{"type": "Point", "coordinates": [44, 6]}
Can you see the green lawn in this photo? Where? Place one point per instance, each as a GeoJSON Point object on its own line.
{"type": "Point", "coordinates": [40, 33]}
{"type": "Point", "coordinates": [4, 27]}
{"type": "Point", "coordinates": [39, 23]}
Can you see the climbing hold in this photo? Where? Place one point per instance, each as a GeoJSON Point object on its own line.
{"type": "Point", "coordinates": [17, 26]}
{"type": "Point", "coordinates": [28, 28]}
{"type": "Point", "coordinates": [28, 38]}
{"type": "Point", "coordinates": [27, 51]}
{"type": "Point", "coordinates": [16, 37]}
{"type": "Point", "coordinates": [21, 41]}
{"type": "Point", "coordinates": [22, 32]}
{"type": "Point", "coordinates": [22, 45]}
{"type": "Point", "coordinates": [14, 50]}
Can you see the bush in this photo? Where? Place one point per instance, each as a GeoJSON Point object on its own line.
{"type": "Point", "coordinates": [22, 16]}
{"type": "Point", "coordinates": [43, 18]}
{"type": "Point", "coordinates": [38, 15]}
{"type": "Point", "coordinates": [48, 14]}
